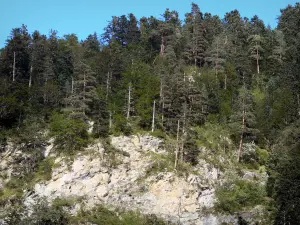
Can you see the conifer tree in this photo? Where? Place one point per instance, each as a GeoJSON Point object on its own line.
{"type": "Point", "coordinates": [242, 122]}
{"type": "Point", "coordinates": [84, 91]}
{"type": "Point", "coordinates": [256, 49]}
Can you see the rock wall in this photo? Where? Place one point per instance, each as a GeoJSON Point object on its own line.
{"type": "Point", "coordinates": [92, 178]}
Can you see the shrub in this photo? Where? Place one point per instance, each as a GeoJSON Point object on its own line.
{"type": "Point", "coordinates": [70, 134]}
{"type": "Point", "coordinates": [159, 134]}
{"type": "Point", "coordinates": [248, 154]}
{"type": "Point", "coordinates": [213, 137]}
{"type": "Point", "coordinates": [263, 155]}
{"type": "Point", "coordinates": [121, 125]}
{"type": "Point", "coordinates": [44, 169]}
{"type": "Point", "coordinates": [44, 213]}
{"type": "Point", "coordinates": [239, 195]}
{"type": "Point", "coordinates": [101, 215]}
{"type": "Point", "coordinates": [160, 163]}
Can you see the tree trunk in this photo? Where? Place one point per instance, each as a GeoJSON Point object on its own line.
{"type": "Point", "coordinates": [84, 87]}
{"type": "Point", "coordinates": [72, 85]}
{"type": "Point", "coordinates": [129, 101]}
{"type": "Point", "coordinates": [30, 77]}
{"type": "Point", "coordinates": [298, 102]}
{"type": "Point", "coordinates": [110, 121]}
{"type": "Point", "coordinates": [257, 59]}
{"type": "Point", "coordinates": [162, 102]}
{"type": "Point", "coordinates": [216, 70]}
{"type": "Point", "coordinates": [177, 145]}
{"type": "Point", "coordinates": [242, 134]}
{"type": "Point", "coordinates": [107, 84]}
{"type": "Point", "coordinates": [225, 81]}
{"type": "Point", "coordinates": [153, 117]}
{"type": "Point", "coordinates": [45, 92]}
{"type": "Point", "coordinates": [183, 134]}
{"type": "Point", "coordinates": [184, 118]}
{"type": "Point", "coordinates": [14, 67]}
{"type": "Point", "coordinates": [162, 46]}
{"type": "Point", "coordinates": [162, 111]}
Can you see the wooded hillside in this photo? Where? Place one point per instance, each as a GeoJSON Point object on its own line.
{"type": "Point", "coordinates": [167, 76]}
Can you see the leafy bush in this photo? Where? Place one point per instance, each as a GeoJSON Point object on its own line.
{"type": "Point", "coordinates": [239, 195]}
{"type": "Point", "coordinates": [263, 155]}
{"type": "Point", "coordinates": [252, 156]}
{"type": "Point", "coordinates": [70, 134]}
{"type": "Point", "coordinates": [248, 154]}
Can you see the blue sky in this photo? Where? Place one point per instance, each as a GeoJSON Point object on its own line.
{"type": "Point", "coordinates": [87, 16]}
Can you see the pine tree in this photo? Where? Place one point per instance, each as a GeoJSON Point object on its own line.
{"type": "Point", "coordinates": [215, 55]}
{"type": "Point", "coordinates": [256, 49]}
{"type": "Point", "coordinates": [84, 91]}
{"type": "Point", "coordinates": [242, 122]}
{"type": "Point", "coordinates": [196, 31]}
{"type": "Point", "coordinates": [48, 79]}
{"type": "Point", "coordinates": [279, 50]}
{"type": "Point", "coordinates": [16, 62]}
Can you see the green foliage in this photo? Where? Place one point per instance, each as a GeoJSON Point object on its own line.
{"type": "Point", "coordinates": [160, 163]}
{"type": "Point", "coordinates": [165, 163]}
{"type": "Point", "coordinates": [214, 137]}
{"type": "Point", "coordinates": [121, 125]}
{"type": "Point", "coordinates": [243, 111]}
{"type": "Point", "coordinates": [239, 195]}
{"type": "Point", "coordinates": [65, 202]}
{"type": "Point", "coordinates": [44, 170]}
{"type": "Point", "coordinates": [101, 215]}
{"type": "Point", "coordinates": [70, 134]}
{"type": "Point", "coordinates": [159, 134]}
{"type": "Point", "coordinates": [283, 168]}
{"type": "Point", "coordinates": [263, 155]}
{"type": "Point", "coordinates": [44, 213]}
{"type": "Point", "coordinates": [40, 170]}
{"type": "Point", "coordinates": [198, 72]}
{"type": "Point", "coordinates": [31, 133]}
{"type": "Point", "coordinates": [112, 155]}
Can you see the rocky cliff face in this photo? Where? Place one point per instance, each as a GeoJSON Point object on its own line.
{"type": "Point", "coordinates": [127, 183]}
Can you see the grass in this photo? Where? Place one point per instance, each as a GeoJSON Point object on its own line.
{"type": "Point", "coordinates": [66, 202]}
{"type": "Point", "coordinates": [101, 215]}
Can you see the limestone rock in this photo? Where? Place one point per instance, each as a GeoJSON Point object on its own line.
{"type": "Point", "coordinates": [174, 198]}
